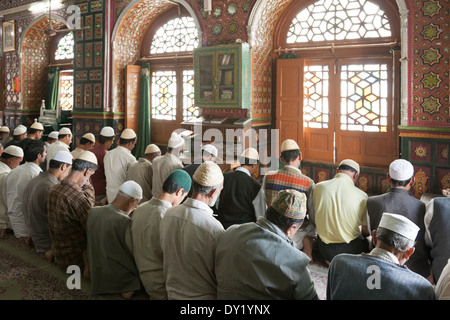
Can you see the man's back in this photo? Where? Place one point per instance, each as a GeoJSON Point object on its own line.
{"type": "Point", "coordinates": [162, 167]}
{"type": "Point", "coordinates": [400, 201]}
{"type": "Point", "coordinates": [141, 172]}
{"type": "Point", "coordinates": [189, 234]}
{"type": "Point", "coordinates": [364, 277]}
{"type": "Point", "coordinates": [339, 208]}
{"type": "Point", "coordinates": [116, 163]}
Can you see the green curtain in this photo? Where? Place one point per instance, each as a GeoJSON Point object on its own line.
{"type": "Point", "coordinates": [51, 101]}
{"type": "Point", "coordinates": [144, 134]}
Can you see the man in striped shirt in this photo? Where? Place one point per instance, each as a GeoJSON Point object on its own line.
{"type": "Point", "coordinates": [290, 177]}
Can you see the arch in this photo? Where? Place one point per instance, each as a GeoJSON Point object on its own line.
{"type": "Point", "coordinates": [261, 26]}
{"type": "Point", "coordinates": [127, 37]}
{"type": "Point", "coordinates": [34, 59]}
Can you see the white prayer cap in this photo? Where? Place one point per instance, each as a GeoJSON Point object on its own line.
{"type": "Point", "coordinates": [401, 170]}
{"type": "Point", "coordinates": [175, 141]}
{"type": "Point", "coordinates": [289, 144]}
{"type": "Point", "coordinates": [87, 156]}
{"type": "Point", "coordinates": [211, 149]}
{"type": "Point", "coordinates": [152, 148]}
{"type": "Point", "coordinates": [90, 137]}
{"type": "Point", "coordinates": [36, 125]}
{"type": "Point", "coordinates": [14, 151]}
{"type": "Point", "coordinates": [20, 129]}
{"type": "Point", "coordinates": [250, 153]}
{"type": "Point", "coordinates": [65, 130]}
{"type": "Point", "coordinates": [351, 163]}
{"type": "Point", "coordinates": [400, 225]}
{"type": "Point", "coordinates": [4, 129]}
{"type": "Point", "coordinates": [63, 156]}
{"type": "Point", "coordinates": [208, 174]}
{"type": "Point", "coordinates": [128, 134]}
{"type": "Point", "coordinates": [53, 135]}
{"type": "Point", "coordinates": [132, 189]}
{"type": "Point", "coordinates": [107, 132]}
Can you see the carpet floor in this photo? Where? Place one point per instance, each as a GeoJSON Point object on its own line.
{"type": "Point", "coordinates": [25, 275]}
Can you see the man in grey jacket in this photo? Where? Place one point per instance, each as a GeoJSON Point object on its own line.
{"type": "Point", "coordinates": [399, 200]}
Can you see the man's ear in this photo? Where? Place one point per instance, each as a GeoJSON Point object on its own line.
{"type": "Point", "coordinates": [408, 253]}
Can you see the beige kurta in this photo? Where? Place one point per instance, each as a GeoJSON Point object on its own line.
{"type": "Point", "coordinates": [162, 167]}
{"type": "Point", "coordinates": [4, 220]}
{"type": "Point", "coordinates": [141, 172]}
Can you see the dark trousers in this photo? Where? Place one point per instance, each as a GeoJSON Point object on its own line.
{"type": "Point", "coordinates": [329, 251]}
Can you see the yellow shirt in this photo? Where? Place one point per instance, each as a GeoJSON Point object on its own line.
{"type": "Point", "coordinates": [340, 209]}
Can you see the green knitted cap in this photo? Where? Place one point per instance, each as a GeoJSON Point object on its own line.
{"type": "Point", "coordinates": [182, 178]}
{"type": "Point", "coordinates": [290, 203]}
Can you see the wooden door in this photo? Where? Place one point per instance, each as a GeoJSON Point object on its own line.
{"type": "Point", "coordinates": [132, 80]}
{"type": "Point", "coordinates": [289, 100]}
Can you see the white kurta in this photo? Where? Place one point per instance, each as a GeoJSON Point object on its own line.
{"type": "Point", "coordinates": [16, 182]}
{"type": "Point", "coordinates": [162, 167]}
{"type": "Point", "coordinates": [4, 220]}
{"type": "Point", "coordinates": [188, 237]}
{"type": "Point", "coordinates": [116, 163]}
{"type": "Point", "coordinates": [75, 153]}
{"type": "Point", "coordinates": [54, 148]}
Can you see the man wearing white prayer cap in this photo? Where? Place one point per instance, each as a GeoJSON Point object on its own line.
{"type": "Point", "coordinates": [62, 144]}
{"type": "Point", "coordinates": [399, 200]}
{"type": "Point", "coordinates": [188, 233]}
{"type": "Point", "coordinates": [87, 141]}
{"type": "Point", "coordinates": [242, 199]}
{"type": "Point", "coordinates": [105, 141]}
{"type": "Point", "coordinates": [68, 204]}
{"type": "Point", "coordinates": [380, 274]}
{"type": "Point", "coordinates": [10, 159]}
{"type": "Point", "coordinates": [164, 165]}
{"type": "Point", "coordinates": [19, 133]}
{"type": "Point", "coordinates": [142, 171]}
{"type": "Point", "coordinates": [35, 201]}
{"type": "Point", "coordinates": [109, 250]}
{"type": "Point", "coordinates": [117, 162]}
{"type": "Point", "coordinates": [291, 177]}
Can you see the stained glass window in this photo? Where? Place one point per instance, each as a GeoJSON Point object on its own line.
{"type": "Point", "coordinates": [332, 20]}
{"type": "Point", "coordinates": [164, 94]}
{"type": "Point", "coordinates": [364, 97]}
{"type": "Point", "coordinates": [189, 108]}
{"type": "Point", "coordinates": [315, 106]}
{"type": "Point", "coordinates": [177, 35]}
{"type": "Point", "coordinates": [64, 49]}
{"type": "Point", "coordinates": [66, 91]}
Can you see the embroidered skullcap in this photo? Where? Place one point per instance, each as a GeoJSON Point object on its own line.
{"type": "Point", "coordinates": [65, 130]}
{"type": "Point", "coordinates": [401, 170]}
{"type": "Point", "coordinates": [14, 151]}
{"type": "Point", "coordinates": [152, 148]}
{"type": "Point", "coordinates": [90, 137]}
{"type": "Point", "coordinates": [128, 134]}
{"type": "Point", "coordinates": [208, 174]}
{"type": "Point", "coordinates": [4, 129]}
{"type": "Point", "coordinates": [53, 135]}
{"type": "Point", "coordinates": [36, 125]}
{"type": "Point", "coordinates": [87, 156]}
{"type": "Point", "coordinates": [211, 149]}
{"type": "Point", "coordinates": [175, 140]}
{"type": "Point", "coordinates": [131, 189]}
{"type": "Point", "coordinates": [182, 178]}
{"type": "Point", "coordinates": [399, 224]}
{"type": "Point", "coordinates": [250, 153]}
{"type": "Point", "coordinates": [351, 163]}
{"type": "Point", "coordinates": [107, 132]}
{"type": "Point", "coordinates": [20, 129]}
{"type": "Point", "coordinates": [289, 144]}
{"type": "Point", "coordinates": [290, 203]}
{"type": "Point", "coordinates": [63, 156]}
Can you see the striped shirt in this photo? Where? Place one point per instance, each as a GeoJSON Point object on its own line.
{"type": "Point", "coordinates": [287, 178]}
{"type": "Point", "coordinates": [68, 206]}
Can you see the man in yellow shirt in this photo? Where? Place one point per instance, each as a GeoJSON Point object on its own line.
{"type": "Point", "coordinates": [340, 213]}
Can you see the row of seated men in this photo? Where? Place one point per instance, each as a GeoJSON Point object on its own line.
{"type": "Point", "coordinates": [192, 232]}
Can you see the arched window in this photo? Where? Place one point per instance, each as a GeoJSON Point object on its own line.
{"type": "Point", "coordinates": [168, 46]}
{"type": "Point", "coordinates": [63, 53]}
{"type": "Point", "coordinates": [345, 71]}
